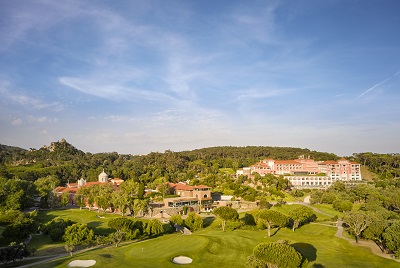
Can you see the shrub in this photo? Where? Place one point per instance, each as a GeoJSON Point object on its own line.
{"type": "Point", "coordinates": [194, 222]}
{"type": "Point", "coordinates": [154, 227]}
{"type": "Point", "coordinates": [175, 219]}
{"type": "Point", "coordinates": [56, 234]}
{"type": "Point", "coordinates": [276, 255]}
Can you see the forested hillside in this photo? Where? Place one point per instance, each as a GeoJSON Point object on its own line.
{"type": "Point", "coordinates": [67, 163]}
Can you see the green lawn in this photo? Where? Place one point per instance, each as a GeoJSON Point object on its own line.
{"type": "Point", "coordinates": [97, 221]}
{"type": "Point", "coordinates": [213, 248]}
{"type": "Point", "coordinates": [327, 208]}
{"type": "Point", "coordinates": [286, 208]}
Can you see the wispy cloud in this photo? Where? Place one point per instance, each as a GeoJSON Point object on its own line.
{"type": "Point", "coordinates": [375, 86]}
{"type": "Point", "coordinates": [252, 94]}
{"type": "Point", "coordinates": [25, 99]}
{"type": "Point", "coordinates": [16, 122]}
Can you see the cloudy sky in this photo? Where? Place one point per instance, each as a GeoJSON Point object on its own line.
{"type": "Point", "coordinates": [142, 76]}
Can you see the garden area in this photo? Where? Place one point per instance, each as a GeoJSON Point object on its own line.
{"type": "Point", "coordinates": [207, 247]}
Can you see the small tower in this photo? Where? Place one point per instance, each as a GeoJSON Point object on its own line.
{"type": "Point", "coordinates": [81, 182]}
{"type": "Point", "coordinates": [103, 177]}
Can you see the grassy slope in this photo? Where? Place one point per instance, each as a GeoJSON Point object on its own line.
{"type": "Point", "coordinates": [97, 221]}
{"type": "Point", "coordinates": [213, 248]}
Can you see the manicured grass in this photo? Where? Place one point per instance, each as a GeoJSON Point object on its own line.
{"type": "Point", "coordinates": [286, 208]}
{"type": "Point", "coordinates": [327, 208]}
{"type": "Point", "coordinates": [97, 221]}
{"type": "Point", "coordinates": [213, 248]}
{"type": "Point", "coordinates": [45, 246]}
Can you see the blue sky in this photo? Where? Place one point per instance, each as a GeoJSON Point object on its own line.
{"type": "Point", "coordinates": [142, 76]}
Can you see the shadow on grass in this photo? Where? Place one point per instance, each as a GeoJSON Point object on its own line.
{"type": "Point", "coordinates": [107, 256]}
{"type": "Point", "coordinates": [207, 221]}
{"type": "Point", "coordinates": [307, 250]}
{"type": "Point", "coordinates": [95, 226]}
{"type": "Point", "coordinates": [317, 265]}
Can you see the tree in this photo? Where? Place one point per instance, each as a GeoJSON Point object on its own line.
{"type": "Point", "coordinates": [116, 237]}
{"type": "Point", "coordinates": [16, 194]}
{"type": "Point", "coordinates": [226, 214]}
{"type": "Point", "coordinates": [176, 219]}
{"type": "Point", "coordinates": [276, 255]}
{"type": "Point", "coordinates": [194, 222]}
{"type": "Point", "coordinates": [13, 252]}
{"type": "Point", "coordinates": [20, 230]}
{"type": "Point", "coordinates": [45, 185]}
{"type": "Point", "coordinates": [102, 196]}
{"type": "Point", "coordinates": [80, 197]}
{"type": "Point", "coordinates": [264, 204]}
{"type": "Point", "coordinates": [69, 248]}
{"type": "Point", "coordinates": [56, 228]}
{"type": "Point", "coordinates": [357, 221]}
{"type": "Point", "coordinates": [65, 199]}
{"type": "Point", "coordinates": [346, 205]}
{"type": "Point", "coordinates": [270, 218]}
{"type": "Point", "coordinates": [78, 234]}
{"type": "Point", "coordinates": [375, 230]}
{"type": "Point", "coordinates": [392, 237]}
{"type": "Point", "coordinates": [120, 201]}
{"type": "Point", "coordinates": [154, 227]}
{"type": "Point", "coordinates": [301, 215]}
{"type": "Point", "coordinates": [140, 205]}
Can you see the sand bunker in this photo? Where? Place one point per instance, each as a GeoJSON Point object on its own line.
{"type": "Point", "coordinates": [182, 260]}
{"type": "Point", "coordinates": [80, 263]}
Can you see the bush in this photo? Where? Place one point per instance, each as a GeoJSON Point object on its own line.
{"type": "Point", "coordinates": [19, 230]}
{"type": "Point", "coordinates": [194, 222]}
{"type": "Point", "coordinates": [56, 234]}
{"type": "Point", "coordinates": [248, 219]}
{"type": "Point", "coordinates": [56, 228]}
{"type": "Point", "coordinates": [154, 227]}
{"type": "Point", "coordinates": [176, 219]}
{"type": "Point", "coordinates": [276, 255]}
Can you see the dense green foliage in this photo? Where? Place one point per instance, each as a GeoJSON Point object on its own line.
{"type": "Point", "coordinates": [64, 161]}
{"type": "Point", "coordinates": [226, 214]}
{"type": "Point", "coordinates": [266, 218]}
{"type": "Point", "coordinates": [276, 255]}
{"type": "Point", "coordinates": [193, 221]}
{"type": "Point", "coordinates": [300, 216]}
{"type": "Point", "coordinates": [22, 226]}
{"type": "Point", "coordinates": [78, 234]}
{"type": "Point", "coordinates": [13, 252]}
{"type": "Point", "coordinates": [386, 166]}
{"type": "Point", "coordinates": [56, 228]}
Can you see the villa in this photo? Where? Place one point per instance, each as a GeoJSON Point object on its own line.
{"type": "Point", "coordinates": [191, 196]}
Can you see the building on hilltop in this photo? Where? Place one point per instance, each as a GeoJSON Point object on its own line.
{"type": "Point", "coordinates": [306, 172]}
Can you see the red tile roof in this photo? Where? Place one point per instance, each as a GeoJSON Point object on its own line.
{"type": "Point", "coordinates": [287, 162]}
{"type": "Point", "coordinates": [202, 186]}
{"type": "Point", "coordinates": [329, 162]}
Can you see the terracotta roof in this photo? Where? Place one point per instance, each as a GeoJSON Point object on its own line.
{"type": "Point", "coordinates": [287, 162]}
{"type": "Point", "coordinates": [329, 162]}
{"type": "Point", "coordinates": [179, 186]}
{"type": "Point", "coordinates": [260, 165]}
{"type": "Point", "coordinates": [61, 189]}
{"type": "Point", "coordinates": [202, 186]}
